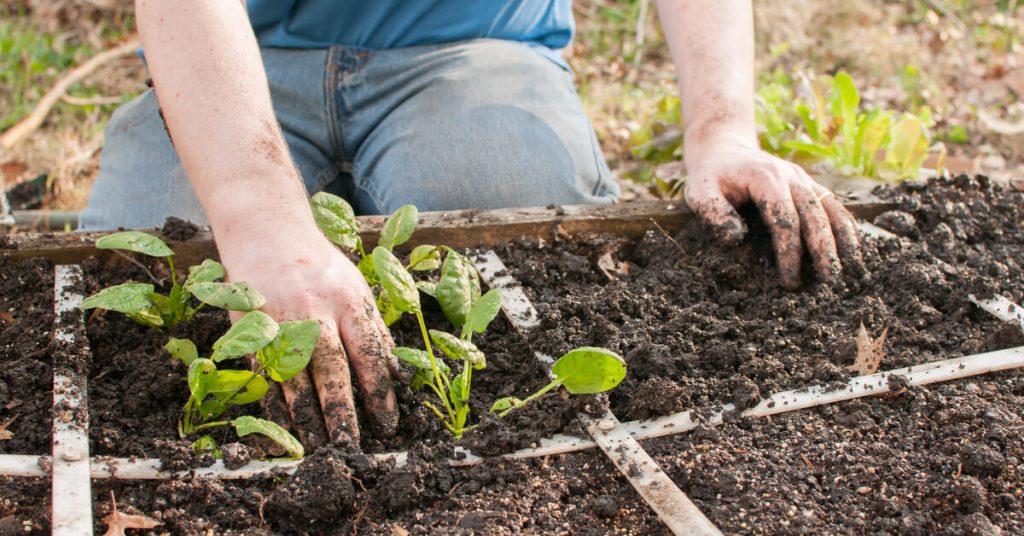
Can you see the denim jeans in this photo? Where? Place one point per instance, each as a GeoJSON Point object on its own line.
{"type": "Point", "coordinates": [477, 124]}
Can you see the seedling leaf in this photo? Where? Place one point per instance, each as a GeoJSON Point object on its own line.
{"type": "Point", "coordinates": [483, 311]}
{"type": "Point", "coordinates": [505, 404]}
{"type": "Point", "coordinates": [399, 227]}
{"type": "Point", "coordinates": [289, 353]}
{"type": "Point", "coordinates": [246, 425]}
{"type": "Point", "coordinates": [207, 272]}
{"type": "Point", "coordinates": [396, 281]}
{"type": "Point", "coordinates": [460, 349]}
{"type": "Point", "coordinates": [459, 390]}
{"type": "Point", "coordinates": [336, 220]}
{"type": "Point", "coordinates": [127, 298]}
{"type": "Point", "coordinates": [425, 258]}
{"type": "Point", "coordinates": [254, 331]}
{"type": "Point", "coordinates": [231, 296]}
{"type": "Point", "coordinates": [366, 268]}
{"type": "Point", "coordinates": [388, 312]}
{"type": "Point", "coordinates": [136, 241]}
{"type": "Point", "coordinates": [206, 444]}
{"type": "Point", "coordinates": [428, 288]}
{"type": "Point", "coordinates": [414, 357]}
{"type": "Point", "coordinates": [239, 387]}
{"type": "Point", "coordinates": [182, 349]}
{"type": "Point", "coordinates": [202, 376]}
{"type": "Point", "coordinates": [589, 370]}
{"type": "Point", "coordinates": [869, 352]}
{"type": "Point", "coordinates": [458, 288]}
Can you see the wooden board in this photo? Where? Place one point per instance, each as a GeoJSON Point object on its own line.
{"type": "Point", "coordinates": [459, 228]}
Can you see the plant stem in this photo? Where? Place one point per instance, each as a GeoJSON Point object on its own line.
{"type": "Point", "coordinates": [438, 377]}
{"type": "Point", "coordinates": [206, 426]}
{"type": "Point", "coordinates": [534, 396]}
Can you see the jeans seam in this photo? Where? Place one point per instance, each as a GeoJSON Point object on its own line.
{"type": "Point", "coordinates": [358, 181]}
{"type": "Point", "coordinates": [331, 74]}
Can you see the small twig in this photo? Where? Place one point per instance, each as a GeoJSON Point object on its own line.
{"type": "Point", "coordinates": [28, 125]}
{"type": "Point", "coordinates": [666, 235]}
{"type": "Point", "coordinates": [156, 280]}
{"type": "Point", "coordinates": [89, 101]}
{"type": "Point", "coordinates": [807, 461]}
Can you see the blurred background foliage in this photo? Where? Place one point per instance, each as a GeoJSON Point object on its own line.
{"type": "Point", "coordinates": [873, 88]}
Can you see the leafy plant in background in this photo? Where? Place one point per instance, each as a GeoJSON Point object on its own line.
{"type": "Point", "coordinates": [815, 121]}
{"type": "Point", "coordinates": [458, 292]}
{"type": "Point", "coordinates": [281, 350]}
{"type": "Point", "coordinates": [837, 132]}
{"type": "Point", "coordinates": [140, 301]}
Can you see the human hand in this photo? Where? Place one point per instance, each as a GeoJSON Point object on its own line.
{"type": "Point", "coordinates": [308, 278]}
{"type": "Point", "coordinates": [725, 173]}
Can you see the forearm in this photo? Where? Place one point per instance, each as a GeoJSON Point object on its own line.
{"type": "Point", "coordinates": [712, 45]}
{"type": "Point", "coordinates": [212, 88]}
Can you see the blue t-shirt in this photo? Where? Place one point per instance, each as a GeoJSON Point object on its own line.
{"type": "Point", "coordinates": [545, 25]}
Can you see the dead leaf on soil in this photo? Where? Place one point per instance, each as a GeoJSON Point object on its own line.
{"type": "Point", "coordinates": [117, 522]}
{"type": "Point", "coordinates": [869, 352]}
{"type": "Point", "coordinates": [7, 317]}
{"type": "Point", "coordinates": [6, 434]}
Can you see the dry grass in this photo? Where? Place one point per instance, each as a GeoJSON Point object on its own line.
{"type": "Point", "coordinates": [956, 57]}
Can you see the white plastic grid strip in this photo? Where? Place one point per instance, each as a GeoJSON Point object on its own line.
{"type": "Point", "coordinates": [72, 489]}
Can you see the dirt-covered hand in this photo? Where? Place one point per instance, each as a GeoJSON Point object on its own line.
{"type": "Point", "coordinates": [311, 279]}
{"type": "Point", "coordinates": [799, 211]}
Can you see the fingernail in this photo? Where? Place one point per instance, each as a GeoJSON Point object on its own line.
{"type": "Point", "coordinates": [731, 232]}
{"type": "Point", "coordinates": [385, 425]}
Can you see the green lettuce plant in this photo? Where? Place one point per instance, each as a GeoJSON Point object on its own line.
{"type": "Point", "coordinates": [140, 301]}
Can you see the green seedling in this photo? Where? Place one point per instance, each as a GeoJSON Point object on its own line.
{"type": "Point", "coordinates": [582, 371]}
{"type": "Point", "coordinates": [282, 351]}
{"type": "Point", "coordinates": [140, 301]}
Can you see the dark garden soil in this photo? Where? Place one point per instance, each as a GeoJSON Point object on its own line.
{"type": "Point", "coordinates": [699, 326]}
{"type": "Point", "coordinates": [26, 379]}
{"type": "Point", "coordinates": [24, 506]}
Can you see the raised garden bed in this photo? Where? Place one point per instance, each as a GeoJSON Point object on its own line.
{"type": "Point", "coordinates": [702, 328]}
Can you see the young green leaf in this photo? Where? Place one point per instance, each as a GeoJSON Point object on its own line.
{"type": "Point", "coordinates": [589, 370]}
{"type": "Point", "coordinates": [457, 348]}
{"type": "Point", "coordinates": [366, 268]}
{"type": "Point", "coordinates": [424, 258]}
{"type": "Point", "coordinates": [428, 288]}
{"type": "Point", "coordinates": [908, 146]}
{"type": "Point", "coordinates": [396, 281]}
{"type": "Point", "coordinates": [127, 298]}
{"type": "Point", "coordinates": [207, 272]}
{"type": "Point", "coordinates": [483, 312]}
{"type": "Point", "coordinates": [459, 391]}
{"type": "Point", "coordinates": [336, 220]}
{"type": "Point", "coordinates": [458, 288]}
{"type": "Point", "coordinates": [254, 331]}
{"type": "Point", "coordinates": [505, 404]}
{"type": "Point", "coordinates": [412, 356]}
{"type": "Point", "coordinates": [246, 425]}
{"type": "Point", "coordinates": [238, 387]}
{"type": "Point", "coordinates": [136, 241]}
{"type": "Point", "coordinates": [182, 349]}
{"type": "Point", "coordinates": [202, 376]}
{"type": "Point", "coordinates": [206, 444]}
{"type": "Point", "coordinates": [399, 227]}
{"type": "Point", "coordinates": [231, 296]}
{"type": "Point", "coordinates": [289, 353]}
{"type": "Point", "coordinates": [388, 312]}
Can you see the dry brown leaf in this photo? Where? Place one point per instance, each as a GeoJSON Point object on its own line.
{"type": "Point", "coordinates": [117, 522]}
{"type": "Point", "coordinates": [6, 317]}
{"type": "Point", "coordinates": [869, 352]}
{"type": "Point", "coordinates": [6, 434]}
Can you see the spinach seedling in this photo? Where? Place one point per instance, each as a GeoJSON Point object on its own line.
{"type": "Point", "coordinates": [282, 351]}
{"type": "Point", "coordinates": [140, 301]}
{"type": "Point", "coordinates": [583, 371]}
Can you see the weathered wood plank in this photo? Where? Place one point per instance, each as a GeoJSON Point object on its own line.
{"type": "Point", "coordinates": [459, 228]}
